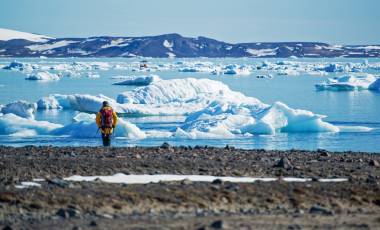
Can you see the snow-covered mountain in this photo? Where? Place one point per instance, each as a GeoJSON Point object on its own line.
{"type": "Point", "coordinates": [6, 35]}
{"type": "Point", "coordinates": [20, 44]}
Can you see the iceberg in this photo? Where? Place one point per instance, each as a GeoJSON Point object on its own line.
{"type": "Point", "coordinates": [236, 70]}
{"type": "Point", "coordinates": [349, 82]}
{"type": "Point", "coordinates": [20, 108]}
{"type": "Point", "coordinates": [14, 65]}
{"type": "Point", "coordinates": [139, 80]}
{"type": "Point", "coordinates": [84, 126]}
{"type": "Point", "coordinates": [43, 76]}
{"type": "Point", "coordinates": [11, 124]}
{"type": "Point", "coordinates": [225, 120]}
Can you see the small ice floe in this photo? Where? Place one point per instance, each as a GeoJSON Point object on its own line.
{"type": "Point", "coordinates": [268, 76]}
{"type": "Point", "coordinates": [43, 76]}
{"type": "Point", "coordinates": [145, 179]}
{"type": "Point", "coordinates": [290, 72]}
{"type": "Point", "coordinates": [350, 82]}
{"type": "Point", "coordinates": [139, 80]}
{"type": "Point", "coordinates": [19, 66]}
{"type": "Point", "coordinates": [92, 75]}
{"type": "Point", "coordinates": [27, 184]}
{"type": "Point", "coordinates": [236, 70]}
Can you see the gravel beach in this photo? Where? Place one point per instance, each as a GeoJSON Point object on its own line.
{"type": "Point", "coordinates": [61, 204]}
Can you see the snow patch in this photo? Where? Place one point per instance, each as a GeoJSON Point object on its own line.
{"type": "Point", "coordinates": [6, 35]}
{"type": "Point", "coordinates": [145, 179]}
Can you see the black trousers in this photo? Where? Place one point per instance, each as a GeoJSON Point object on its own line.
{"type": "Point", "coordinates": [106, 139]}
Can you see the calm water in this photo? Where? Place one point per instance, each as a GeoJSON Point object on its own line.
{"type": "Point", "coordinates": [342, 108]}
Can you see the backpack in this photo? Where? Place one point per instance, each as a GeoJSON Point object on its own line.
{"type": "Point", "coordinates": [106, 117]}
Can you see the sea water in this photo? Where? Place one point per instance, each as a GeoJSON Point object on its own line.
{"type": "Point", "coordinates": [350, 108]}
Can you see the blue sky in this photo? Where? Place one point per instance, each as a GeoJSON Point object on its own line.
{"type": "Point", "coordinates": [333, 21]}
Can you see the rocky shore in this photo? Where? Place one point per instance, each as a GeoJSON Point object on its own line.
{"type": "Point", "coordinates": [61, 204]}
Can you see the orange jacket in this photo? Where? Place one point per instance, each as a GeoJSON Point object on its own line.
{"type": "Point", "coordinates": [99, 121]}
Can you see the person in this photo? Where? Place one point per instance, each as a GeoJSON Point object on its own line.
{"type": "Point", "coordinates": [106, 119]}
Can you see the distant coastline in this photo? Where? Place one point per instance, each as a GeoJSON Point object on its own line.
{"type": "Point", "coordinates": [21, 44]}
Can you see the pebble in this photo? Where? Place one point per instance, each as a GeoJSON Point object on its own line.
{"type": "Point", "coordinates": [285, 163]}
{"type": "Point", "coordinates": [316, 209]}
{"type": "Point", "coordinates": [374, 163]}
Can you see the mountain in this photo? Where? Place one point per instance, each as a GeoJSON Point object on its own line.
{"type": "Point", "coordinates": [6, 35]}
{"type": "Point", "coordinates": [20, 44]}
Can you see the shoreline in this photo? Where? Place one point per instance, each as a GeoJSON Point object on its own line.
{"type": "Point", "coordinates": [185, 204]}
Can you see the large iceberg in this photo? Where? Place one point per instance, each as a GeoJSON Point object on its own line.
{"type": "Point", "coordinates": [349, 82]}
{"type": "Point", "coordinates": [229, 119]}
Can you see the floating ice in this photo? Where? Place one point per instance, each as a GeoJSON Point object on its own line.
{"type": "Point", "coordinates": [139, 80]}
{"type": "Point", "coordinates": [145, 179]}
{"type": "Point", "coordinates": [11, 124]}
{"type": "Point", "coordinates": [236, 70]}
{"type": "Point", "coordinates": [84, 126]}
{"type": "Point", "coordinates": [229, 119]}
{"type": "Point", "coordinates": [14, 65]}
{"type": "Point", "coordinates": [349, 82]}
{"type": "Point", "coordinates": [43, 76]}
{"type": "Point", "coordinates": [20, 108]}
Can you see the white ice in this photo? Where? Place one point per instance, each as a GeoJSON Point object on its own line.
{"type": "Point", "coordinates": [6, 35]}
{"type": "Point", "coordinates": [43, 76]}
{"type": "Point", "coordinates": [349, 82]}
{"type": "Point", "coordinates": [11, 124]}
{"type": "Point", "coordinates": [145, 179]}
{"type": "Point", "coordinates": [20, 108]}
{"type": "Point", "coordinates": [139, 80]}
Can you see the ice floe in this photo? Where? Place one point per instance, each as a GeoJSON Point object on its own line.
{"type": "Point", "coordinates": [139, 80]}
{"type": "Point", "coordinates": [349, 82]}
{"type": "Point", "coordinates": [43, 76]}
{"type": "Point", "coordinates": [20, 108]}
{"type": "Point", "coordinates": [11, 124]}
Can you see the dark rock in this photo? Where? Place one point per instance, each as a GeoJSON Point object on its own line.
{"type": "Point", "coordinates": [217, 181]}
{"type": "Point", "coordinates": [371, 179]}
{"type": "Point", "coordinates": [165, 145]}
{"type": "Point", "coordinates": [284, 163]}
{"type": "Point", "coordinates": [219, 224]}
{"type": "Point", "coordinates": [374, 163]}
{"type": "Point", "coordinates": [58, 182]}
{"type": "Point", "coordinates": [323, 153]}
{"type": "Point", "coordinates": [93, 223]}
{"type": "Point", "coordinates": [73, 212]}
{"type": "Point", "coordinates": [7, 227]}
{"type": "Point", "coordinates": [62, 213]}
{"type": "Point", "coordinates": [35, 206]}
{"type": "Point", "coordinates": [316, 209]}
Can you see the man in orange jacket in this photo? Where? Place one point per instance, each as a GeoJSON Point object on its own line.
{"type": "Point", "coordinates": [106, 119]}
